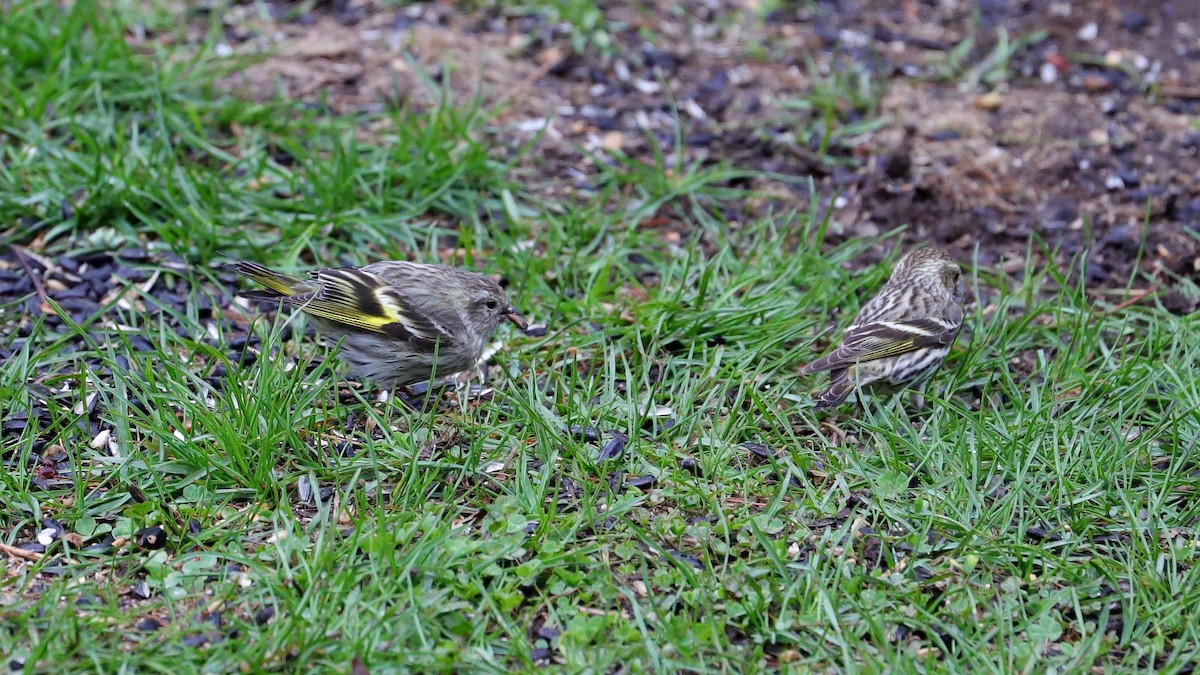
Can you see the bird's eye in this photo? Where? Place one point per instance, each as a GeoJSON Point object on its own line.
{"type": "Point", "coordinates": [491, 304]}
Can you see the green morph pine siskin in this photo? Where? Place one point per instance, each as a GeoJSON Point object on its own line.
{"type": "Point", "coordinates": [903, 333]}
{"type": "Point", "coordinates": [400, 322]}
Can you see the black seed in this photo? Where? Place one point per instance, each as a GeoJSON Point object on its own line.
{"type": "Point", "coordinates": [140, 344]}
{"type": "Point", "coordinates": [264, 615]}
{"type": "Point", "coordinates": [171, 298]}
{"type": "Point", "coordinates": [945, 135]}
{"type": "Point", "coordinates": [15, 288]}
{"type": "Point", "coordinates": [759, 449]}
{"type": "Point", "coordinates": [686, 557]}
{"type": "Point", "coordinates": [582, 433]}
{"type": "Point", "coordinates": [98, 257]}
{"type": "Point", "coordinates": [614, 448]}
{"type": "Point", "coordinates": [204, 306]}
{"type": "Point", "coordinates": [98, 272]}
{"type": "Point", "coordinates": [657, 426]}
{"type": "Point", "coordinates": [135, 275]}
{"type": "Point", "coordinates": [642, 482]}
{"type": "Point", "coordinates": [148, 625]}
{"type": "Point", "coordinates": [79, 307]}
{"type": "Point", "coordinates": [104, 545]}
{"type": "Point", "coordinates": [150, 538]}
{"type": "Point", "coordinates": [75, 291]}
{"type": "Point", "coordinates": [49, 524]}
{"type": "Point", "coordinates": [195, 640]}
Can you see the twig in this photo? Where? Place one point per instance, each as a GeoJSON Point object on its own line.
{"type": "Point", "coordinates": [1181, 92]}
{"type": "Point", "coordinates": [14, 552]}
{"type": "Point", "coordinates": [33, 278]}
{"type": "Point", "coordinates": [1133, 300]}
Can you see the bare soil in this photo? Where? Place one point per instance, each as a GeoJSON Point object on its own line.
{"type": "Point", "coordinates": [1084, 136]}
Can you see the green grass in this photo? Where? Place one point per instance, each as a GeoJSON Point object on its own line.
{"type": "Point", "coordinates": [1021, 521]}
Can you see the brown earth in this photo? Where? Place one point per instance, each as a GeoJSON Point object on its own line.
{"type": "Point", "coordinates": [1084, 133]}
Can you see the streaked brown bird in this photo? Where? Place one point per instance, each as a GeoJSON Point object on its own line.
{"type": "Point", "coordinates": [399, 322]}
{"type": "Point", "coordinates": [903, 333]}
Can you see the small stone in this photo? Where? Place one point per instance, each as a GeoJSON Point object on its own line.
{"type": "Point", "coordinates": [1089, 31]}
{"type": "Point", "coordinates": [990, 101]}
{"type": "Point", "coordinates": [1114, 183]}
{"type": "Point", "coordinates": [1048, 73]}
{"type": "Point", "coordinates": [612, 140]}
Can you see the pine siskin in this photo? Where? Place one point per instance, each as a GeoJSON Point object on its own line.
{"type": "Point", "coordinates": [902, 335]}
{"type": "Point", "coordinates": [402, 322]}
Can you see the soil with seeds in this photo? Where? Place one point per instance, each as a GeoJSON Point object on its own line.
{"type": "Point", "coordinates": [1071, 122]}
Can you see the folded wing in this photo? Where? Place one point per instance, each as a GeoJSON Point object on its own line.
{"type": "Point", "coordinates": [364, 301]}
{"type": "Point", "coordinates": [883, 339]}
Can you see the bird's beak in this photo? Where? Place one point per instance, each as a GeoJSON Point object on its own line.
{"type": "Point", "coordinates": [514, 316]}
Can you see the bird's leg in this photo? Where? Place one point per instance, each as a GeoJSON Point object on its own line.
{"type": "Point", "coordinates": [919, 399]}
{"type": "Point", "coordinates": [421, 397]}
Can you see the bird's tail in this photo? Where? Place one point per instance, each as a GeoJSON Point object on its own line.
{"type": "Point", "coordinates": [840, 386]}
{"type": "Point", "coordinates": [275, 284]}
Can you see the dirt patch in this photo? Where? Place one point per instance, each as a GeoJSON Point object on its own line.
{"type": "Point", "coordinates": [357, 61]}
{"type": "Point", "coordinates": [974, 124]}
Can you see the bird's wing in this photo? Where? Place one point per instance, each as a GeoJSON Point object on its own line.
{"type": "Point", "coordinates": [362, 300]}
{"type": "Point", "coordinates": [881, 339]}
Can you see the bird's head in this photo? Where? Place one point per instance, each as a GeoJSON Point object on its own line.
{"type": "Point", "coordinates": [487, 304]}
{"type": "Point", "coordinates": [930, 264]}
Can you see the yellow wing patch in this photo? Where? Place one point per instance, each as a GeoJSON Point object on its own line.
{"type": "Point", "coordinates": [362, 300]}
